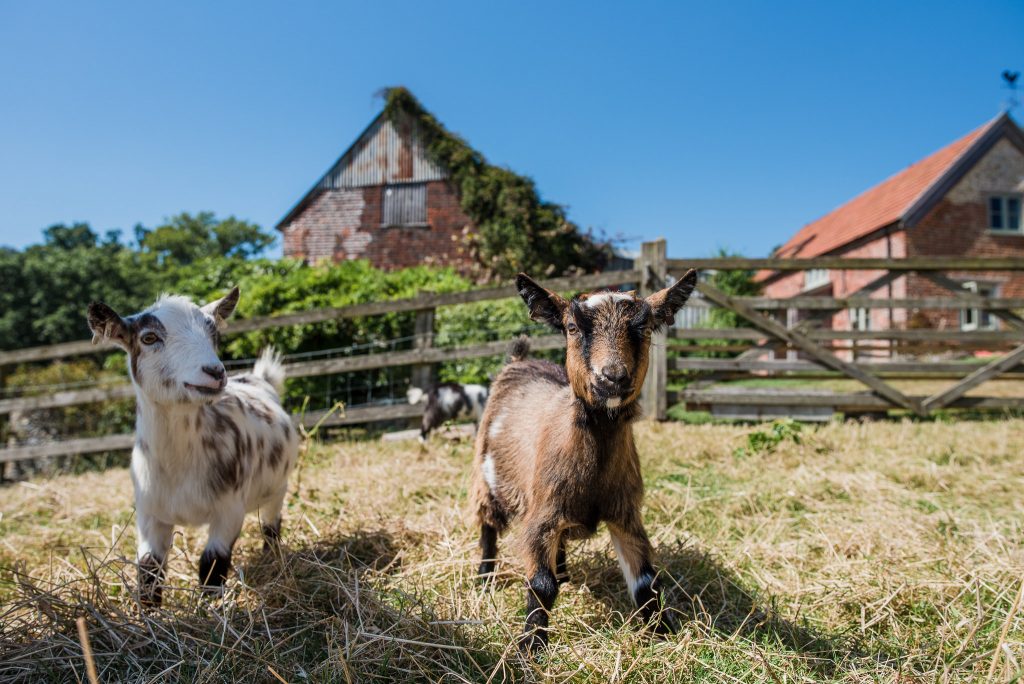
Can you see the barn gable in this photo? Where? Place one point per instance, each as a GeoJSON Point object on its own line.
{"type": "Point", "coordinates": [384, 153]}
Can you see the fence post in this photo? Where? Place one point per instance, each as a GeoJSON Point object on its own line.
{"type": "Point", "coordinates": [423, 374]}
{"type": "Point", "coordinates": [653, 267]}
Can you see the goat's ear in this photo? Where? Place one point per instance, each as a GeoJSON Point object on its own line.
{"type": "Point", "coordinates": [106, 324]}
{"type": "Point", "coordinates": [545, 306]}
{"type": "Point", "coordinates": [665, 303]}
{"type": "Point", "coordinates": [222, 309]}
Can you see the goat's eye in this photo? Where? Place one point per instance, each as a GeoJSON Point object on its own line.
{"type": "Point", "coordinates": [571, 328]}
{"type": "Point", "coordinates": [150, 338]}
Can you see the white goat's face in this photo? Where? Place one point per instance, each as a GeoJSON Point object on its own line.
{"type": "Point", "coordinates": [172, 346]}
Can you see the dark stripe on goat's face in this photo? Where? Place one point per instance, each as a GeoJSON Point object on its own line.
{"type": "Point", "coordinates": [212, 331]}
{"type": "Point", "coordinates": [138, 325]}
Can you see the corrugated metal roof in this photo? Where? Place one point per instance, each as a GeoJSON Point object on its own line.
{"type": "Point", "coordinates": [384, 153]}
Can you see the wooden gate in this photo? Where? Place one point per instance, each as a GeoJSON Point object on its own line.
{"type": "Point", "coordinates": [808, 353]}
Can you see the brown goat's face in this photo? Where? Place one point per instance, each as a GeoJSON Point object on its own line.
{"type": "Point", "coordinates": [608, 335]}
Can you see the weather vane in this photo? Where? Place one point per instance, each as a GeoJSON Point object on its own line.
{"type": "Point", "coordinates": [1011, 84]}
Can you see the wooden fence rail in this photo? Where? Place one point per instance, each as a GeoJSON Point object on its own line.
{"type": "Point", "coordinates": [419, 303]}
{"type": "Point", "coordinates": [820, 348]}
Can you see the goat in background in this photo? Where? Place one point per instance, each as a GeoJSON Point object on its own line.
{"type": "Point", "coordinates": [448, 401]}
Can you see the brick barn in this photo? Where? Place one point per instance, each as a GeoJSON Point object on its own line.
{"type": "Point", "coordinates": [384, 201]}
{"type": "Point", "coordinates": [963, 200]}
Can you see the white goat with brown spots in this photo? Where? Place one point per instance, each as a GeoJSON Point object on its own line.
{"type": "Point", "coordinates": [208, 448]}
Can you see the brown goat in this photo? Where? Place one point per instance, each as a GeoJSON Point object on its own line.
{"type": "Point", "coordinates": [555, 445]}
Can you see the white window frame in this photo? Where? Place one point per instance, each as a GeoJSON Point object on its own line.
{"type": "Point", "coordinates": [1004, 212]}
{"type": "Point", "coordinates": [860, 318]}
{"type": "Point", "coordinates": [978, 315]}
{"type": "Point", "coordinates": [816, 277]}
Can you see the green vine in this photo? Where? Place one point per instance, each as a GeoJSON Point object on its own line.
{"type": "Point", "coordinates": [515, 230]}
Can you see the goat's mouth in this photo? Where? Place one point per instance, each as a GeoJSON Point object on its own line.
{"type": "Point", "coordinates": [611, 395]}
{"type": "Point", "coordinates": [207, 390]}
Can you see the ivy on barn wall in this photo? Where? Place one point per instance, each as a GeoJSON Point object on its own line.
{"type": "Point", "coordinates": [515, 230]}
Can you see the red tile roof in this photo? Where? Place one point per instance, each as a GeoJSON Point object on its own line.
{"type": "Point", "coordinates": [880, 206]}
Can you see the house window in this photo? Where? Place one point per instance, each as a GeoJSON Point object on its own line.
{"type": "Point", "coordinates": [815, 277]}
{"type": "Point", "coordinates": [404, 205]}
{"type": "Point", "coordinates": [1004, 213]}
{"type": "Point", "coordinates": [978, 319]}
{"type": "Point", "coordinates": [860, 318]}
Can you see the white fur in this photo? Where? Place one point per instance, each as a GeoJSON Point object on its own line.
{"type": "Point", "coordinates": [489, 473]}
{"type": "Point", "coordinates": [478, 398]}
{"type": "Point", "coordinates": [415, 395]}
{"type": "Point", "coordinates": [613, 402]}
{"type": "Point", "coordinates": [448, 398]}
{"type": "Point", "coordinates": [496, 425]}
{"type": "Point", "coordinates": [179, 440]}
{"type": "Point", "coordinates": [596, 300]}
{"type": "Point", "coordinates": [627, 573]}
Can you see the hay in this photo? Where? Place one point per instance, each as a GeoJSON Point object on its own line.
{"type": "Point", "coordinates": [868, 552]}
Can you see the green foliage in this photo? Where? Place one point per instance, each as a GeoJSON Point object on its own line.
{"type": "Point", "coordinates": [185, 239]}
{"type": "Point", "coordinates": [290, 286]}
{"type": "Point", "coordinates": [737, 283]}
{"type": "Point", "coordinates": [73, 266]}
{"type": "Point", "coordinates": [459, 326]}
{"type": "Point", "coordinates": [766, 441]}
{"type": "Point", "coordinates": [516, 230]}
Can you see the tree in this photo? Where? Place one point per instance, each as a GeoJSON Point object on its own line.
{"type": "Point", "coordinates": [185, 239]}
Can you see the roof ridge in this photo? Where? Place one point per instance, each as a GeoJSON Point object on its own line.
{"type": "Point", "coordinates": [890, 200]}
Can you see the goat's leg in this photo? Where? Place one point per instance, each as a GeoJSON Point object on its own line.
{"type": "Point", "coordinates": [270, 520]}
{"type": "Point", "coordinates": [634, 551]}
{"type": "Point", "coordinates": [488, 550]}
{"type": "Point", "coordinates": [541, 543]}
{"type": "Point", "coordinates": [216, 559]}
{"type": "Point", "coordinates": [155, 540]}
{"type": "Point", "coordinates": [561, 569]}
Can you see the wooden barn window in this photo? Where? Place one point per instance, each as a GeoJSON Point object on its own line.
{"type": "Point", "coordinates": [1004, 213]}
{"type": "Point", "coordinates": [404, 205]}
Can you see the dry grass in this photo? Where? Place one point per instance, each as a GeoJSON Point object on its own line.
{"type": "Point", "coordinates": [867, 553]}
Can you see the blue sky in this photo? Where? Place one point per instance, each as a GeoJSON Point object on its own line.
{"type": "Point", "coordinates": [712, 124]}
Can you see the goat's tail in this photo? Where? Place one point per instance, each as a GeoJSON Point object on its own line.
{"type": "Point", "coordinates": [415, 395]}
{"type": "Point", "coordinates": [269, 367]}
{"type": "Point", "coordinates": [519, 349]}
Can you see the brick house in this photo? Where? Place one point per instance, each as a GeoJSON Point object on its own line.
{"type": "Point", "coordinates": [963, 200]}
{"type": "Point", "coordinates": [383, 200]}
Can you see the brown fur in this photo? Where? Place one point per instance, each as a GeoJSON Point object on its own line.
{"type": "Point", "coordinates": [555, 447]}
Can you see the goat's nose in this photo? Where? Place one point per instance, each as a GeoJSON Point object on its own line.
{"type": "Point", "coordinates": [215, 372]}
{"type": "Point", "coordinates": [614, 372]}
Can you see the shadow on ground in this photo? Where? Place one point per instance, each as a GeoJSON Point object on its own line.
{"type": "Point", "coordinates": [314, 613]}
{"type": "Point", "coordinates": [700, 590]}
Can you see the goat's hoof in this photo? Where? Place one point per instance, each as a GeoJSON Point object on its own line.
{"type": "Point", "coordinates": [533, 642]}
{"type": "Point", "coordinates": [271, 537]}
{"type": "Point", "coordinates": [151, 598]}
{"type": "Point", "coordinates": [563, 577]}
{"type": "Point", "coordinates": [661, 625]}
{"type": "Point", "coordinates": [486, 572]}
